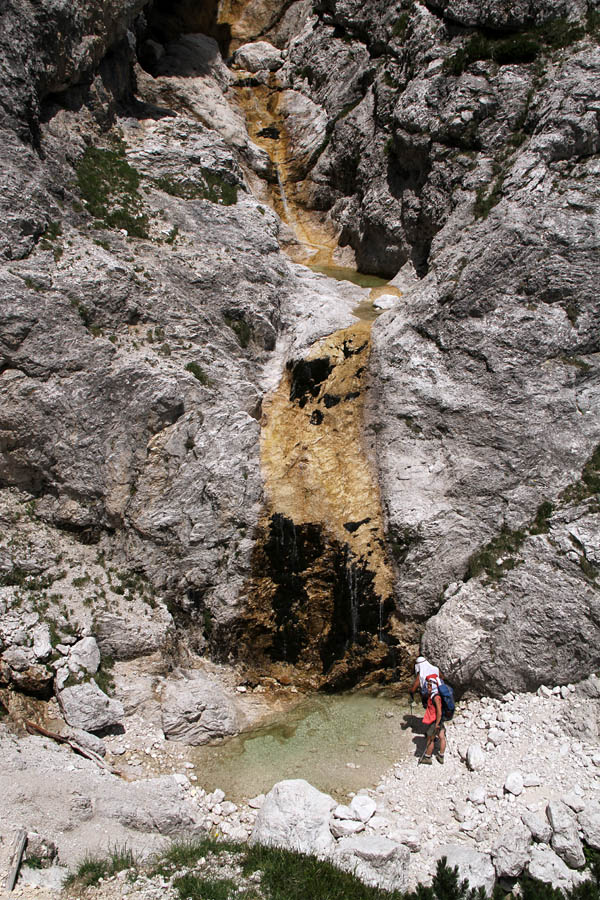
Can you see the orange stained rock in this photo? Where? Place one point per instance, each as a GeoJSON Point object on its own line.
{"type": "Point", "coordinates": [321, 473]}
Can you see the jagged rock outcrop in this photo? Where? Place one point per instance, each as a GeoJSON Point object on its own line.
{"type": "Point", "coordinates": [455, 141]}
{"type": "Point", "coordinates": [471, 153]}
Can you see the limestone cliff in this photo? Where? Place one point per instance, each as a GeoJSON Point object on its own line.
{"type": "Point", "coordinates": [147, 310]}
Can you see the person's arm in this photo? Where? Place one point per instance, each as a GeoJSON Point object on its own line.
{"type": "Point", "coordinates": [415, 685]}
{"type": "Point", "coordinates": [437, 702]}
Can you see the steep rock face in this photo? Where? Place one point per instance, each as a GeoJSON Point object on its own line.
{"type": "Point", "coordinates": [469, 150]}
{"type": "Point", "coordinates": [131, 362]}
{"type": "Point", "coordinates": [146, 305]}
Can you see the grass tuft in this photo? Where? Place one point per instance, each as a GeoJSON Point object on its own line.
{"type": "Point", "coordinates": [92, 868]}
{"type": "Point", "coordinates": [198, 372]}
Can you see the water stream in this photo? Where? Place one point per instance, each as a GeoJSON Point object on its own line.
{"type": "Point", "coordinates": [337, 742]}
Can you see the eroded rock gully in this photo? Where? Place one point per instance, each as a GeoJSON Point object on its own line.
{"type": "Point", "coordinates": [321, 596]}
{"type": "Point", "coordinates": [149, 316]}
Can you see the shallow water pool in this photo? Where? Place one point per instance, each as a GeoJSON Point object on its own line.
{"type": "Point", "coordinates": [339, 743]}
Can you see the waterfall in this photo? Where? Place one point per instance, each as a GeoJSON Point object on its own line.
{"type": "Point", "coordinates": [352, 582]}
{"type": "Point", "coordinates": [284, 202]}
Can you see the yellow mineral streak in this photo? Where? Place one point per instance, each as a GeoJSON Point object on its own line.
{"type": "Point", "coordinates": [321, 473]}
{"type": "Point", "coordinates": [316, 236]}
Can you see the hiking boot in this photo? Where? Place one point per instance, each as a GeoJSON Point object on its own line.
{"type": "Point", "coordinates": [440, 758]}
{"type": "Point", "coordinates": [425, 761]}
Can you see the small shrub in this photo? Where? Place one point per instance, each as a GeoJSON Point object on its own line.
{"type": "Point", "coordinates": [497, 556]}
{"type": "Point", "coordinates": [521, 47]}
{"type": "Point", "coordinates": [210, 186]}
{"type": "Point", "coordinates": [401, 25]}
{"type": "Point", "coordinates": [104, 677]}
{"type": "Point", "coordinates": [109, 187]}
{"type": "Point", "coordinates": [589, 483]}
{"type": "Point", "coordinates": [541, 523]}
{"type": "Point", "coordinates": [485, 202]}
{"type": "Point", "coordinates": [198, 372]}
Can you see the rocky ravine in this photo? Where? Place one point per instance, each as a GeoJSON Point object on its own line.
{"type": "Point", "coordinates": [147, 311]}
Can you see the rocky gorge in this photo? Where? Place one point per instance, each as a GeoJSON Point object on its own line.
{"type": "Point", "coordinates": [228, 479]}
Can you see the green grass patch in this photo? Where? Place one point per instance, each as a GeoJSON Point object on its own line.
{"type": "Point", "coordinates": [486, 200]}
{"type": "Point", "coordinates": [193, 887]}
{"type": "Point", "coordinates": [198, 372]}
{"type": "Point", "coordinates": [401, 25]}
{"type": "Point", "coordinates": [496, 558]}
{"type": "Point", "coordinates": [186, 853]}
{"type": "Point", "coordinates": [109, 186]}
{"type": "Point", "coordinates": [93, 868]}
{"type": "Point", "coordinates": [294, 876]}
{"type": "Point", "coordinates": [211, 186]}
{"type": "Point", "coordinates": [104, 677]}
{"type": "Point", "coordinates": [541, 523]}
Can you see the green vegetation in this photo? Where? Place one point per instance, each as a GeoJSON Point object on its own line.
{"type": "Point", "coordinates": [486, 200]}
{"type": "Point", "coordinates": [104, 677]}
{"type": "Point", "coordinates": [401, 25]}
{"type": "Point", "coordinates": [198, 372]}
{"type": "Point", "coordinates": [521, 47]}
{"type": "Point", "coordinates": [93, 868]}
{"type": "Point", "coordinates": [589, 483]}
{"type": "Point", "coordinates": [192, 887]}
{"type": "Point", "coordinates": [578, 363]}
{"type": "Point", "coordinates": [241, 328]}
{"type": "Point", "coordinates": [284, 875]}
{"type": "Point", "coordinates": [109, 187]}
{"type": "Point", "coordinates": [496, 558]}
{"type": "Point", "coordinates": [212, 187]}
{"type": "Point", "coordinates": [18, 577]}
{"type": "Point", "coordinates": [541, 523]}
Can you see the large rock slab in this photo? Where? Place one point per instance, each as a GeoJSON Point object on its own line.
{"type": "Point", "coordinates": [511, 852]}
{"type": "Point", "coordinates": [123, 638]}
{"type": "Point", "coordinates": [476, 867]}
{"type": "Point", "coordinates": [589, 822]}
{"type": "Point", "coordinates": [376, 860]}
{"type": "Point", "coordinates": [295, 815]}
{"type": "Point", "coordinates": [565, 836]}
{"type": "Point", "coordinates": [85, 706]}
{"type": "Point", "coordinates": [547, 866]}
{"type": "Point", "coordinates": [195, 709]}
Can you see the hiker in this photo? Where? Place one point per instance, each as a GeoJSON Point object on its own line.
{"type": "Point", "coordinates": [438, 700]}
{"type": "Point", "coordinates": [423, 668]}
{"type": "Point", "coordinates": [434, 718]}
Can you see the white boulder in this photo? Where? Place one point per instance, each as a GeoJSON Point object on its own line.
{"type": "Point", "coordinates": [511, 852]}
{"type": "Point", "coordinates": [86, 706]}
{"type": "Point", "coordinates": [539, 826]}
{"type": "Point", "coordinates": [363, 807]}
{"type": "Point", "coordinates": [256, 56]}
{"type": "Point", "coordinates": [565, 836]}
{"type": "Point", "coordinates": [85, 655]}
{"type": "Point", "coordinates": [514, 783]}
{"type": "Point", "coordinates": [546, 866]}
{"type": "Point", "coordinates": [476, 867]}
{"type": "Point", "coordinates": [345, 827]}
{"type": "Point", "coordinates": [376, 860]}
{"type": "Point", "coordinates": [475, 757]}
{"type": "Point", "coordinates": [589, 821]}
{"type": "Point", "coordinates": [295, 816]}
{"type": "Point", "coordinates": [196, 709]}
